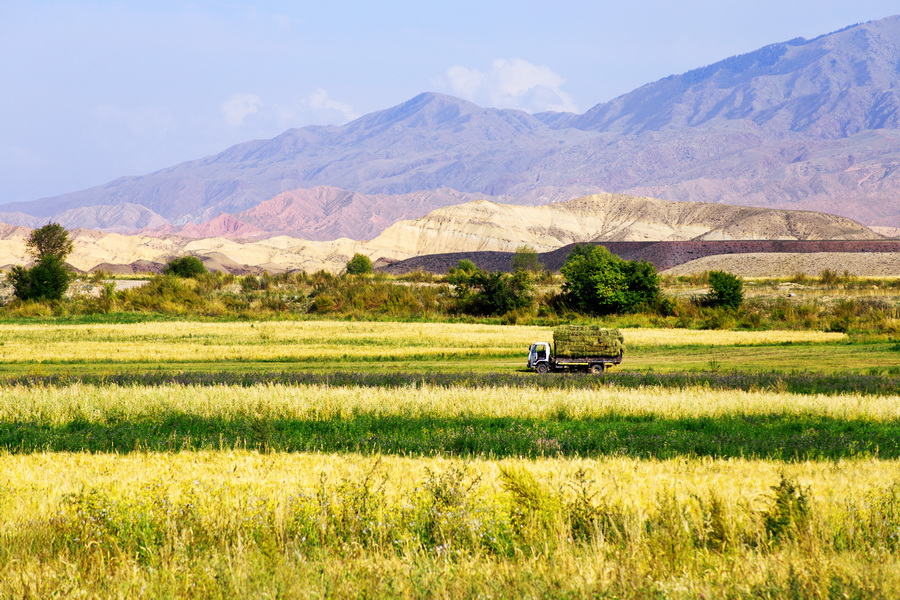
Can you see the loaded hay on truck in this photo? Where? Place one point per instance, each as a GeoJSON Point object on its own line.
{"type": "Point", "coordinates": [578, 348]}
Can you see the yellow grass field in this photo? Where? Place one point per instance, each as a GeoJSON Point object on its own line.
{"type": "Point", "coordinates": [36, 484]}
{"type": "Point", "coordinates": [195, 341]}
{"type": "Point", "coordinates": [219, 524]}
{"type": "Point", "coordinates": [427, 490]}
{"type": "Point", "coordinates": [87, 403]}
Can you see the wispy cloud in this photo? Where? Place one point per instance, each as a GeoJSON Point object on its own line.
{"type": "Point", "coordinates": [238, 107]}
{"type": "Point", "coordinates": [316, 108]}
{"type": "Point", "coordinates": [322, 106]}
{"type": "Point", "coordinates": [510, 83]}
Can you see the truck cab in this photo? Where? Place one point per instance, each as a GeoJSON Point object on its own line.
{"type": "Point", "coordinates": [539, 357]}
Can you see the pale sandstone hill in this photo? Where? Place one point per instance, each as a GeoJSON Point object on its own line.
{"type": "Point", "coordinates": [888, 232]}
{"type": "Point", "coordinates": [470, 227]}
{"type": "Point", "coordinates": [484, 225]}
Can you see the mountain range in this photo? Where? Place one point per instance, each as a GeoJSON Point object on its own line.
{"type": "Point", "coordinates": [804, 124]}
{"type": "Point", "coordinates": [478, 226]}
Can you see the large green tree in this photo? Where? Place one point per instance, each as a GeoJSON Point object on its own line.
{"type": "Point", "coordinates": [49, 278]}
{"type": "Point", "coordinates": [599, 282]}
{"type": "Point", "coordinates": [50, 240]}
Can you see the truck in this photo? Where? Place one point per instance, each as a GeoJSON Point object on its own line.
{"type": "Point", "coordinates": [587, 348]}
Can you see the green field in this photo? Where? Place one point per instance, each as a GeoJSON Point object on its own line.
{"type": "Point", "coordinates": [323, 346]}
{"type": "Point", "coordinates": [360, 459]}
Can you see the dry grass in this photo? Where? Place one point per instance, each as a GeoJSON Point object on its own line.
{"type": "Point", "coordinates": [306, 525]}
{"type": "Point", "coordinates": [323, 340]}
{"type": "Point", "coordinates": [92, 404]}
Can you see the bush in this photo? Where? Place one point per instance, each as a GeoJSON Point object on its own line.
{"type": "Point", "coordinates": [48, 280]}
{"type": "Point", "coordinates": [185, 266]}
{"type": "Point", "coordinates": [599, 282]}
{"type": "Point", "coordinates": [526, 259]}
{"type": "Point", "coordinates": [500, 293]}
{"type": "Point", "coordinates": [359, 265]}
{"type": "Point", "coordinates": [725, 290]}
{"type": "Point", "coordinates": [483, 293]}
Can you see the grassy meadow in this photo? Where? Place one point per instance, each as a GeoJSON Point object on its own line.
{"type": "Point", "coordinates": [355, 459]}
{"type": "Point", "coordinates": [329, 345]}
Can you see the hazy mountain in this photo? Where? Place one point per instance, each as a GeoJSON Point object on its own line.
{"type": "Point", "coordinates": [833, 86]}
{"type": "Point", "coordinates": [805, 124]}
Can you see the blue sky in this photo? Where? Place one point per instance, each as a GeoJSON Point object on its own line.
{"type": "Point", "coordinates": [96, 89]}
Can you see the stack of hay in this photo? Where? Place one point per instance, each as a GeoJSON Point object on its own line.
{"type": "Point", "coordinates": [587, 340]}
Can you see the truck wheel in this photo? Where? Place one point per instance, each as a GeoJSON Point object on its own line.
{"type": "Point", "coordinates": [542, 368]}
{"type": "Point", "coordinates": [597, 369]}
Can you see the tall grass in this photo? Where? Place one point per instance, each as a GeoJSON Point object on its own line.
{"type": "Point", "coordinates": [213, 525]}
{"type": "Point", "coordinates": [428, 420]}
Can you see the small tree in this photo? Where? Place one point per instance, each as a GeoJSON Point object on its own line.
{"type": "Point", "coordinates": [359, 265]}
{"type": "Point", "coordinates": [49, 278]}
{"type": "Point", "coordinates": [185, 266]}
{"type": "Point", "coordinates": [50, 240]}
{"type": "Point", "coordinates": [478, 292]}
{"type": "Point", "coordinates": [499, 293]}
{"type": "Point", "coordinates": [526, 259]}
{"type": "Point", "coordinates": [464, 265]}
{"type": "Point", "coordinates": [725, 290]}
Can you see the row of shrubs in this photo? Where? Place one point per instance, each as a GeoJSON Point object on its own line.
{"type": "Point", "coordinates": [594, 282]}
{"type": "Point", "coordinates": [422, 296]}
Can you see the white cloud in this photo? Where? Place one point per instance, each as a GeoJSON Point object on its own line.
{"type": "Point", "coordinates": [240, 106]}
{"type": "Point", "coordinates": [319, 102]}
{"type": "Point", "coordinates": [510, 83]}
{"type": "Point", "coordinates": [316, 108]}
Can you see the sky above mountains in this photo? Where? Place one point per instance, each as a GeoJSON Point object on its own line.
{"type": "Point", "coordinates": [98, 89]}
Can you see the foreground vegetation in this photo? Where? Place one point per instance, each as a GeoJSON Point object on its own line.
{"type": "Point", "coordinates": [206, 435]}
{"type": "Point", "coordinates": [229, 524]}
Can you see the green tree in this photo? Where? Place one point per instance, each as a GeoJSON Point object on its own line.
{"type": "Point", "coordinates": [499, 293]}
{"type": "Point", "coordinates": [185, 266]}
{"type": "Point", "coordinates": [47, 280]}
{"type": "Point", "coordinates": [465, 265]}
{"type": "Point", "coordinates": [526, 259]}
{"type": "Point", "coordinates": [599, 282]}
{"type": "Point", "coordinates": [50, 240]}
{"type": "Point", "coordinates": [359, 265]}
{"type": "Point", "coordinates": [461, 278]}
{"type": "Point", "coordinates": [481, 293]}
{"type": "Point", "coordinates": [725, 290]}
